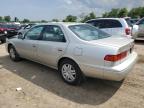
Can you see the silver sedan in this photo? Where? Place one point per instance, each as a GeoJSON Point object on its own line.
{"type": "Point", "coordinates": [75, 50]}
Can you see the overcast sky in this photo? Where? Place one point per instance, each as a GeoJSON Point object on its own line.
{"type": "Point", "coordinates": [49, 9]}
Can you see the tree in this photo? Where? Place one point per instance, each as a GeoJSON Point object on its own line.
{"type": "Point", "coordinates": [7, 18]}
{"type": "Point", "coordinates": [89, 17]}
{"type": "Point", "coordinates": [1, 18]}
{"type": "Point", "coordinates": [105, 15]}
{"type": "Point", "coordinates": [142, 12]}
{"type": "Point", "coordinates": [113, 13]}
{"type": "Point", "coordinates": [136, 12]}
{"type": "Point", "coordinates": [70, 18]}
{"type": "Point", "coordinates": [123, 12]}
{"type": "Point", "coordinates": [55, 20]}
{"type": "Point", "coordinates": [26, 21]}
{"type": "Point", "coordinates": [92, 15]}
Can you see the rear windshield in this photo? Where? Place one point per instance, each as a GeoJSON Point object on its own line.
{"type": "Point", "coordinates": [87, 32]}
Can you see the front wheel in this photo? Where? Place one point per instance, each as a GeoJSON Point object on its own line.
{"type": "Point", "coordinates": [70, 72]}
{"type": "Point", "coordinates": [13, 54]}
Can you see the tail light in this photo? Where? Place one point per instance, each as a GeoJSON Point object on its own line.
{"type": "Point", "coordinates": [128, 31]}
{"type": "Point", "coordinates": [114, 58]}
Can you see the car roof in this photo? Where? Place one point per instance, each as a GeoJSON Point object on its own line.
{"type": "Point", "coordinates": [61, 23]}
{"type": "Point", "coordinates": [106, 19]}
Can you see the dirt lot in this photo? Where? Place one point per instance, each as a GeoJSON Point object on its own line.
{"type": "Point", "coordinates": [42, 87]}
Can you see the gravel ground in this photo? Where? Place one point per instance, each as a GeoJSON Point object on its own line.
{"type": "Point", "coordinates": [42, 87]}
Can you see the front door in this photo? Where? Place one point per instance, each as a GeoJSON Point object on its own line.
{"type": "Point", "coordinates": [27, 47]}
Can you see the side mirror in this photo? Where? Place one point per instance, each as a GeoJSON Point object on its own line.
{"type": "Point", "coordinates": [20, 36]}
{"type": "Point", "coordinates": [28, 27]}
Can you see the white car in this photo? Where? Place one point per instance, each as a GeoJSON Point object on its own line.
{"type": "Point", "coordinates": [76, 50]}
{"type": "Point", "coordinates": [113, 26]}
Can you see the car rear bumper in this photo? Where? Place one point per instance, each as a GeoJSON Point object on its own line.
{"type": "Point", "coordinates": [119, 72]}
{"type": "Point", "coordinates": [116, 73]}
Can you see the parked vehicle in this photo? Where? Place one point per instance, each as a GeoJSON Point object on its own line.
{"type": "Point", "coordinates": [133, 21]}
{"type": "Point", "coordinates": [2, 38]}
{"type": "Point", "coordinates": [113, 26]}
{"type": "Point", "coordinates": [76, 50]}
{"type": "Point", "coordinates": [3, 30]}
{"type": "Point", "coordinates": [12, 29]}
{"type": "Point", "coordinates": [9, 29]}
{"type": "Point", "coordinates": [139, 34]}
{"type": "Point", "coordinates": [25, 28]}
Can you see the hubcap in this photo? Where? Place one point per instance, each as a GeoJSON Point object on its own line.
{"type": "Point", "coordinates": [12, 53]}
{"type": "Point", "coordinates": [68, 72]}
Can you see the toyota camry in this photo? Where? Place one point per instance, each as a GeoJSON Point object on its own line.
{"type": "Point", "coordinates": [76, 50]}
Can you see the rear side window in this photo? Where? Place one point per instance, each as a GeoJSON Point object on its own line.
{"type": "Point", "coordinates": [87, 32]}
{"type": "Point", "coordinates": [106, 23]}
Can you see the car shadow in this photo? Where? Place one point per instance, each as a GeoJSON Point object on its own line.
{"type": "Point", "coordinates": [93, 91]}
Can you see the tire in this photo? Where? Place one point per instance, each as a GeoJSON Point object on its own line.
{"type": "Point", "coordinates": [14, 56]}
{"type": "Point", "coordinates": [70, 72]}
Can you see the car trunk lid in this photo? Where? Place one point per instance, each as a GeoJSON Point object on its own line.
{"type": "Point", "coordinates": [120, 44]}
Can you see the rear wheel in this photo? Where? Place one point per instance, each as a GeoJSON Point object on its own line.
{"type": "Point", "coordinates": [13, 54]}
{"type": "Point", "coordinates": [71, 72]}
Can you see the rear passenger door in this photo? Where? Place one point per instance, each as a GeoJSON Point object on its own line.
{"type": "Point", "coordinates": [52, 45]}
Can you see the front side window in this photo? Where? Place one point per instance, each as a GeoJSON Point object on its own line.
{"type": "Point", "coordinates": [53, 33]}
{"type": "Point", "coordinates": [88, 32]}
{"type": "Point", "coordinates": [34, 33]}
